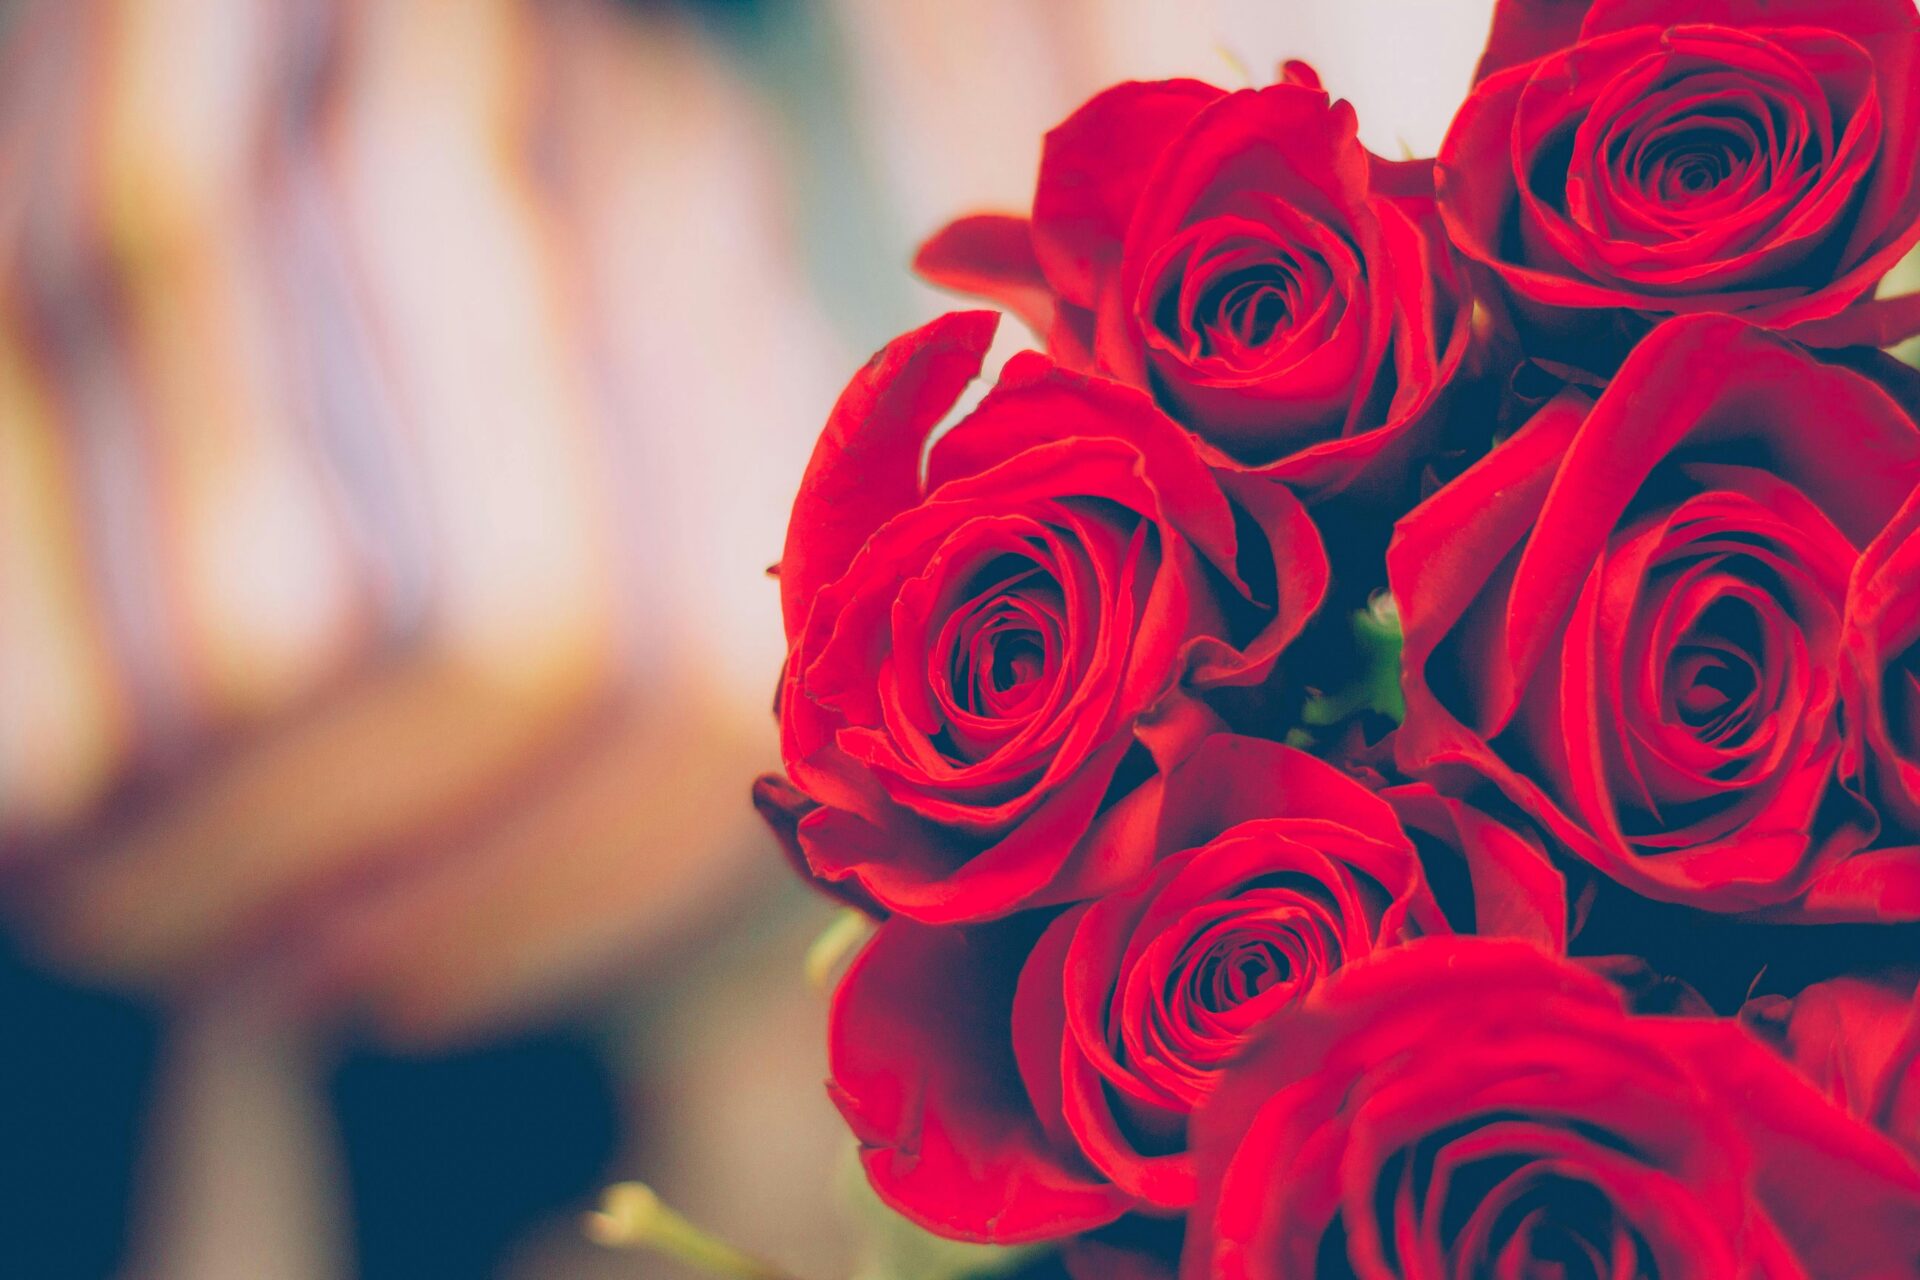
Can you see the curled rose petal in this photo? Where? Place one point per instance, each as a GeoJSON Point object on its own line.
{"type": "Point", "coordinates": [1858, 1038]}
{"type": "Point", "coordinates": [921, 1069]}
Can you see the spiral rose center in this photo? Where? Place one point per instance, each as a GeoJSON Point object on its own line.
{"type": "Point", "coordinates": [1684, 166]}
{"type": "Point", "coordinates": [1217, 971]}
{"type": "Point", "coordinates": [1236, 969]}
{"type": "Point", "coordinates": [1236, 302]}
{"type": "Point", "coordinates": [1715, 686]}
{"type": "Point", "coordinates": [1233, 297]}
{"type": "Point", "coordinates": [1556, 1228]}
{"type": "Point", "coordinates": [1510, 1196]}
{"type": "Point", "coordinates": [1004, 645]}
{"type": "Point", "coordinates": [1721, 615]}
{"type": "Point", "coordinates": [1245, 309]}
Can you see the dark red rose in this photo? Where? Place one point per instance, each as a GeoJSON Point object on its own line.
{"type": "Point", "coordinates": [1882, 696]}
{"type": "Point", "coordinates": [1755, 157]}
{"type": "Point", "coordinates": [1627, 617]}
{"type": "Point", "coordinates": [1465, 1107]}
{"type": "Point", "coordinates": [1012, 1087]}
{"type": "Point", "coordinates": [1284, 294]}
{"type": "Point", "coordinates": [985, 653]}
{"type": "Point", "coordinates": [1858, 1038]}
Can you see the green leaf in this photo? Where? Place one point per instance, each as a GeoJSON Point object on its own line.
{"type": "Point", "coordinates": [1376, 632]}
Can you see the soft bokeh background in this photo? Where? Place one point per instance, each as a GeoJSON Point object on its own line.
{"type": "Point", "coordinates": [399, 405]}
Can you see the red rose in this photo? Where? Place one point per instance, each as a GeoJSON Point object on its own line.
{"type": "Point", "coordinates": [984, 653]}
{"type": "Point", "coordinates": [1627, 617]}
{"type": "Point", "coordinates": [1759, 159]}
{"type": "Point", "coordinates": [1464, 1107]}
{"type": "Point", "coordinates": [1011, 1088]}
{"type": "Point", "coordinates": [1858, 1038]}
{"type": "Point", "coordinates": [1882, 693]}
{"type": "Point", "coordinates": [1237, 254]}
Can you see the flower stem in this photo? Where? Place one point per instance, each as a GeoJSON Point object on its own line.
{"type": "Point", "coordinates": [836, 942]}
{"type": "Point", "coordinates": [631, 1216]}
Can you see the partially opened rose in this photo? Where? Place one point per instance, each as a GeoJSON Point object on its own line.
{"type": "Point", "coordinates": [1283, 293]}
{"type": "Point", "coordinates": [1628, 619]}
{"type": "Point", "coordinates": [1757, 157]}
{"type": "Point", "coordinates": [1007, 1087]}
{"type": "Point", "coordinates": [989, 649]}
{"type": "Point", "coordinates": [1467, 1107]}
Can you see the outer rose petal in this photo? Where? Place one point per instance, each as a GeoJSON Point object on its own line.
{"type": "Point", "coordinates": [991, 256]}
{"type": "Point", "coordinates": [1857, 17]}
{"type": "Point", "coordinates": [866, 467]}
{"type": "Point", "coordinates": [1817, 1166]}
{"type": "Point", "coordinates": [922, 1069]}
{"type": "Point", "coordinates": [782, 806]}
{"type": "Point", "coordinates": [1491, 880]}
{"type": "Point", "coordinates": [1092, 171]}
{"type": "Point", "coordinates": [1043, 403]}
{"type": "Point", "coordinates": [1527, 29]}
{"type": "Point", "coordinates": [1050, 858]}
{"type": "Point", "coordinates": [1858, 1038]}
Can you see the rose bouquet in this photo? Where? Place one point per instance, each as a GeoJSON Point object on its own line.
{"type": "Point", "coordinates": [1391, 747]}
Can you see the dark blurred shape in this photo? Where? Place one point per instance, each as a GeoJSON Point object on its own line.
{"type": "Point", "coordinates": [451, 1157]}
{"type": "Point", "coordinates": [76, 1071]}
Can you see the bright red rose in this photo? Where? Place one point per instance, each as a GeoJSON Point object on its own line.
{"type": "Point", "coordinates": [1755, 157]}
{"type": "Point", "coordinates": [1858, 1038]}
{"type": "Point", "coordinates": [1627, 617]}
{"type": "Point", "coordinates": [987, 651]}
{"type": "Point", "coordinates": [1007, 1087]}
{"type": "Point", "coordinates": [1284, 294]}
{"type": "Point", "coordinates": [1465, 1107]}
{"type": "Point", "coordinates": [1882, 695]}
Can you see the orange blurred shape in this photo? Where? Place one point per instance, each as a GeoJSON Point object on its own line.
{"type": "Point", "coordinates": [380, 599]}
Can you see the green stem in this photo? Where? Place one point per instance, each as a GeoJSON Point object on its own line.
{"type": "Point", "coordinates": [836, 942]}
{"type": "Point", "coordinates": [631, 1216]}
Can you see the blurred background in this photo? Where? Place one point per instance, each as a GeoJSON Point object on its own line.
{"type": "Point", "coordinates": [400, 402]}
